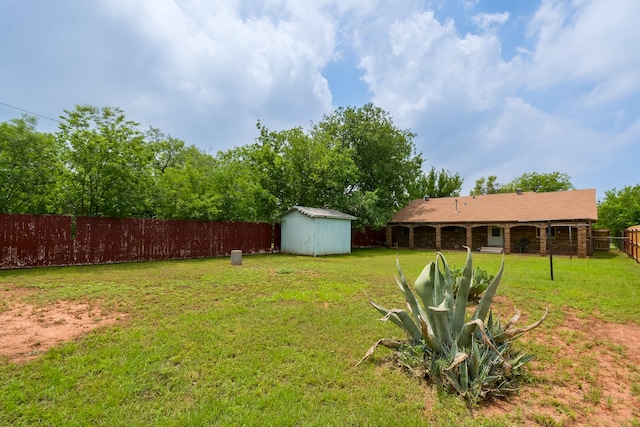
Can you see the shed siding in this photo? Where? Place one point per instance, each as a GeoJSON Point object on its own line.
{"type": "Point", "coordinates": [332, 236]}
{"type": "Point", "coordinates": [304, 235]}
{"type": "Point", "coordinates": [297, 234]}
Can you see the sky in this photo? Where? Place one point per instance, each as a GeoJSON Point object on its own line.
{"type": "Point", "coordinates": [489, 87]}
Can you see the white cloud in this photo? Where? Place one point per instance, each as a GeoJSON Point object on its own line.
{"type": "Point", "coordinates": [418, 65]}
{"type": "Point", "coordinates": [591, 42]}
{"type": "Point", "coordinates": [258, 60]}
{"type": "Point", "coordinates": [478, 114]}
{"type": "Point", "coordinates": [206, 70]}
{"type": "Point", "coordinates": [486, 21]}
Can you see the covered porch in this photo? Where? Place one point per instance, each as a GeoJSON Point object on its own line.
{"type": "Point", "coordinates": [567, 237]}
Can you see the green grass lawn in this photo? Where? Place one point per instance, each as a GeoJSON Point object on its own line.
{"type": "Point", "coordinates": [272, 342]}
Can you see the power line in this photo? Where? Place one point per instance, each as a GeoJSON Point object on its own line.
{"type": "Point", "coordinates": [29, 112]}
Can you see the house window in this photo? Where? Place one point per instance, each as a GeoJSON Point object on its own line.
{"type": "Point", "coordinates": [495, 232]}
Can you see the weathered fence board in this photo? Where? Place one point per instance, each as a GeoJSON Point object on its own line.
{"type": "Point", "coordinates": [43, 240]}
{"type": "Point", "coordinates": [368, 238]}
{"type": "Point", "coordinates": [631, 242]}
{"type": "Point", "coordinates": [30, 241]}
{"type": "Point", "coordinates": [49, 240]}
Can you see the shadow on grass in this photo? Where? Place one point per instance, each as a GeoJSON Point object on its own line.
{"type": "Point", "coordinates": [607, 254]}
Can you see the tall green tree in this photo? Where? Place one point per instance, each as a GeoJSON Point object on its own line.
{"type": "Point", "coordinates": [296, 168]}
{"type": "Point", "coordinates": [185, 190]}
{"type": "Point", "coordinates": [385, 157]}
{"type": "Point", "coordinates": [436, 184]}
{"type": "Point", "coordinates": [619, 209]}
{"type": "Point", "coordinates": [30, 168]}
{"type": "Point", "coordinates": [167, 150]}
{"type": "Point", "coordinates": [487, 185]}
{"type": "Point", "coordinates": [108, 161]}
{"type": "Point", "coordinates": [532, 181]}
{"type": "Point", "coordinates": [271, 170]}
{"type": "Point", "coordinates": [239, 193]}
{"type": "Point", "coordinates": [540, 182]}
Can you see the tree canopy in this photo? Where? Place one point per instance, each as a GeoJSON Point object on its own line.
{"type": "Point", "coordinates": [385, 159]}
{"type": "Point", "coordinates": [31, 168]}
{"type": "Point", "coordinates": [619, 209]}
{"type": "Point", "coordinates": [108, 163]}
{"type": "Point", "coordinates": [354, 160]}
{"type": "Point", "coordinates": [436, 184]}
{"type": "Point", "coordinates": [531, 181]}
{"type": "Point", "coordinates": [100, 163]}
{"type": "Point", "coordinates": [539, 182]}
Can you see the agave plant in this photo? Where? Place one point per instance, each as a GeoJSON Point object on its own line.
{"type": "Point", "coordinates": [468, 354]}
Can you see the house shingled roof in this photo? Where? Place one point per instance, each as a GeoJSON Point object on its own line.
{"type": "Point", "coordinates": [504, 207]}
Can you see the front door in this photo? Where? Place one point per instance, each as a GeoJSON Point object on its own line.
{"type": "Point", "coordinates": [496, 236]}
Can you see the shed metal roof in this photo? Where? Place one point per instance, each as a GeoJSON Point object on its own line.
{"type": "Point", "coordinates": [321, 213]}
{"type": "Point", "coordinates": [504, 207]}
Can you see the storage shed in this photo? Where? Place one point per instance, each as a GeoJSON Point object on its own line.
{"type": "Point", "coordinates": [314, 231]}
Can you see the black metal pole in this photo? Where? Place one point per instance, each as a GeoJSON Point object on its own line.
{"type": "Point", "coordinates": [550, 244]}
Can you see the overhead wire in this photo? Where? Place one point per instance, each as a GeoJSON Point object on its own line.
{"type": "Point", "coordinates": [29, 112]}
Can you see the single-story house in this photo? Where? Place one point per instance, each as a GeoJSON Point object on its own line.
{"type": "Point", "coordinates": [315, 231]}
{"type": "Point", "coordinates": [511, 222]}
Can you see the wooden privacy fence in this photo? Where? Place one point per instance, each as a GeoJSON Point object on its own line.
{"type": "Point", "coordinates": [368, 238]}
{"type": "Point", "coordinates": [49, 240]}
{"type": "Point", "coordinates": [631, 242]}
{"type": "Point", "coordinates": [601, 240]}
{"type": "Point", "coordinates": [46, 240]}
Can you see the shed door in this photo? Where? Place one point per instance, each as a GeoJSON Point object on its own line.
{"type": "Point", "coordinates": [496, 236]}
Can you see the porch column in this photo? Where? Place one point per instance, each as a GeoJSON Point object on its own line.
{"type": "Point", "coordinates": [411, 237]}
{"type": "Point", "coordinates": [438, 237]}
{"type": "Point", "coordinates": [507, 239]}
{"type": "Point", "coordinates": [582, 241]}
{"type": "Point", "coordinates": [389, 238]}
{"type": "Point", "coordinates": [543, 241]}
{"type": "Point", "coordinates": [469, 237]}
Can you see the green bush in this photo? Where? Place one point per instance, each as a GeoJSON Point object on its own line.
{"type": "Point", "coordinates": [468, 356]}
{"type": "Point", "coordinates": [480, 281]}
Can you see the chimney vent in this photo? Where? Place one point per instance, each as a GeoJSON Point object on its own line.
{"type": "Point", "coordinates": [518, 191]}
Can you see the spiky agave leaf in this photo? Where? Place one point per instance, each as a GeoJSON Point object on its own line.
{"type": "Point", "coordinates": [441, 325]}
{"type": "Point", "coordinates": [383, 342]}
{"type": "Point", "coordinates": [431, 340]}
{"type": "Point", "coordinates": [484, 307]}
{"type": "Point", "coordinates": [447, 287]}
{"type": "Point", "coordinates": [460, 309]}
{"type": "Point", "coordinates": [485, 302]}
{"type": "Point", "coordinates": [407, 323]}
{"type": "Point", "coordinates": [416, 308]}
{"type": "Point", "coordinates": [425, 285]}
{"type": "Point", "coordinates": [513, 332]}
{"type": "Point", "coordinates": [384, 311]}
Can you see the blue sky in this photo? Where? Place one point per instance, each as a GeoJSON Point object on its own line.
{"type": "Point", "coordinates": [497, 87]}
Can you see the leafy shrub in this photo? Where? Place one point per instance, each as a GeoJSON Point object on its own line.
{"type": "Point", "coordinates": [471, 357]}
{"type": "Point", "coordinates": [480, 281]}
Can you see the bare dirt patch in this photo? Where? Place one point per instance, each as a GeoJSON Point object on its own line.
{"type": "Point", "coordinates": [592, 377]}
{"type": "Point", "coordinates": [28, 330]}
